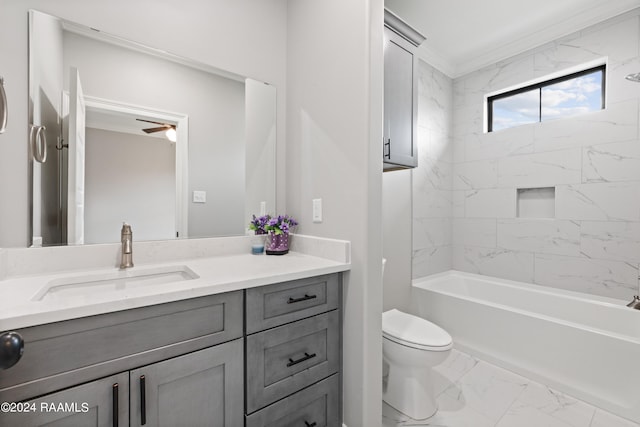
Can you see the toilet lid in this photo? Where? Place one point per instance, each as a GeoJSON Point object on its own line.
{"type": "Point", "coordinates": [414, 331]}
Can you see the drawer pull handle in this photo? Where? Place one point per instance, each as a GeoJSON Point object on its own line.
{"type": "Point", "coordinates": [306, 356]}
{"type": "Point", "coordinates": [313, 424]}
{"type": "Point", "coordinates": [304, 298]}
{"type": "Point", "coordinates": [143, 400]}
{"type": "Point", "coordinates": [115, 414]}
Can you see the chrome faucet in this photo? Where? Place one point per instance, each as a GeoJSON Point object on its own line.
{"type": "Point", "coordinates": [635, 303]}
{"type": "Point", "coordinates": [126, 237]}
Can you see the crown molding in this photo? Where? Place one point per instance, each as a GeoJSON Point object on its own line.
{"type": "Point", "coordinates": [436, 60]}
{"type": "Point", "coordinates": [579, 21]}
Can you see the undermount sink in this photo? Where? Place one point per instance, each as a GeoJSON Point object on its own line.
{"type": "Point", "coordinates": [121, 280]}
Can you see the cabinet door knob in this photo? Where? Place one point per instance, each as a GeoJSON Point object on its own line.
{"type": "Point", "coordinates": [11, 349]}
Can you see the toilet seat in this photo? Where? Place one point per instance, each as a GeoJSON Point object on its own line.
{"type": "Point", "coordinates": [415, 332]}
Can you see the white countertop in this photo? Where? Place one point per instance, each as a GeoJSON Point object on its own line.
{"type": "Point", "coordinates": [217, 274]}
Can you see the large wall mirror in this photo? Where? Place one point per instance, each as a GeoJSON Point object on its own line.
{"type": "Point", "coordinates": [124, 132]}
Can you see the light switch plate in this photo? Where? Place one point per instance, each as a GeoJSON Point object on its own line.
{"type": "Point", "coordinates": [317, 210]}
{"type": "Point", "coordinates": [199, 196]}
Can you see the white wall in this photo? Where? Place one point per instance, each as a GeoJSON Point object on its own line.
{"type": "Point", "coordinates": [204, 33]}
{"type": "Point", "coordinates": [260, 155]}
{"type": "Point", "coordinates": [334, 124]}
{"type": "Point", "coordinates": [593, 161]}
{"type": "Point", "coordinates": [129, 178]}
{"type": "Point", "coordinates": [396, 239]}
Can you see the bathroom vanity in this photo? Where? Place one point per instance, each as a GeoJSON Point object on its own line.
{"type": "Point", "coordinates": [263, 351]}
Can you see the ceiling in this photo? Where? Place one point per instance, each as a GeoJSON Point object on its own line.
{"type": "Point", "coordinates": [465, 35]}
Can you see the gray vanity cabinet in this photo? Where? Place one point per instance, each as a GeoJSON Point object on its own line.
{"type": "Point", "coordinates": [189, 352]}
{"type": "Point", "coordinates": [99, 403]}
{"type": "Point", "coordinates": [400, 135]}
{"type": "Point", "coordinates": [293, 357]}
{"type": "Point", "coordinates": [204, 388]}
{"type": "Point", "coordinates": [317, 405]}
{"type": "Point", "coordinates": [265, 356]}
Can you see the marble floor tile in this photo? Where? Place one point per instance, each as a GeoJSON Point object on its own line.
{"type": "Point", "coordinates": [565, 408]}
{"type": "Point", "coordinates": [523, 415]}
{"type": "Point", "coordinates": [478, 394]}
{"type": "Point", "coordinates": [488, 389]}
{"type": "Point", "coordinates": [605, 419]}
{"type": "Point", "coordinates": [451, 370]}
{"type": "Point", "coordinates": [450, 414]}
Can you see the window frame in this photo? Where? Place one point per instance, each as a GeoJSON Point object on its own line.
{"type": "Point", "coordinates": [542, 84]}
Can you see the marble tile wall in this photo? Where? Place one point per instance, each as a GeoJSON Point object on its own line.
{"type": "Point", "coordinates": [593, 161]}
{"type": "Point", "coordinates": [432, 180]}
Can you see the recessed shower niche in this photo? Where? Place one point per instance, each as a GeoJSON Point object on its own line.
{"type": "Point", "coordinates": [536, 202]}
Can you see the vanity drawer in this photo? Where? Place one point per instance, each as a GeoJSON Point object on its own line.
{"type": "Point", "coordinates": [62, 354]}
{"type": "Point", "coordinates": [285, 359]}
{"type": "Point", "coordinates": [275, 305]}
{"type": "Point", "coordinates": [319, 404]}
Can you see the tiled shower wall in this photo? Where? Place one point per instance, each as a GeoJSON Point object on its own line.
{"type": "Point", "coordinates": [593, 161]}
{"type": "Point", "coordinates": [432, 179]}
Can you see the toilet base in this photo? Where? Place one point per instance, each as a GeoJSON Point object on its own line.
{"type": "Point", "coordinates": [410, 391]}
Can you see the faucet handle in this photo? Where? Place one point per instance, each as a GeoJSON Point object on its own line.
{"type": "Point", "coordinates": [635, 303]}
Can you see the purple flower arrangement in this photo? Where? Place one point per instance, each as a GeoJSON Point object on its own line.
{"type": "Point", "coordinates": [258, 224]}
{"type": "Point", "coordinates": [281, 224]}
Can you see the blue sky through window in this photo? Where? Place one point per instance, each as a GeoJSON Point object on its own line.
{"type": "Point", "coordinates": [577, 95]}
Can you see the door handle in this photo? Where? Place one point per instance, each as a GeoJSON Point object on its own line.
{"type": "Point", "coordinates": [11, 349]}
{"type": "Point", "coordinates": [4, 109]}
{"type": "Point", "coordinates": [39, 143]}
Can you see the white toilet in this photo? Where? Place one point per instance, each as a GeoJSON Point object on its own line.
{"type": "Point", "coordinates": [411, 346]}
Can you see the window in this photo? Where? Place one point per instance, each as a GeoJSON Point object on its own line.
{"type": "Point", "coordinates": [564, 96]}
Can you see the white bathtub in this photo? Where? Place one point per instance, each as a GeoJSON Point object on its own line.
{"type": "Point", "coordinates": [584, 345]}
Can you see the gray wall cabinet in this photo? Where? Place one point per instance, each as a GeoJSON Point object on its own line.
{"type": "Point", "coordinates": [184, 363]}
{"type": "Point", "coordinates": [400, 149]}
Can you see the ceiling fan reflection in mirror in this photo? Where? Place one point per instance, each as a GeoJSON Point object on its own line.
{"type": "Point", "coordinates": [168, 129]}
